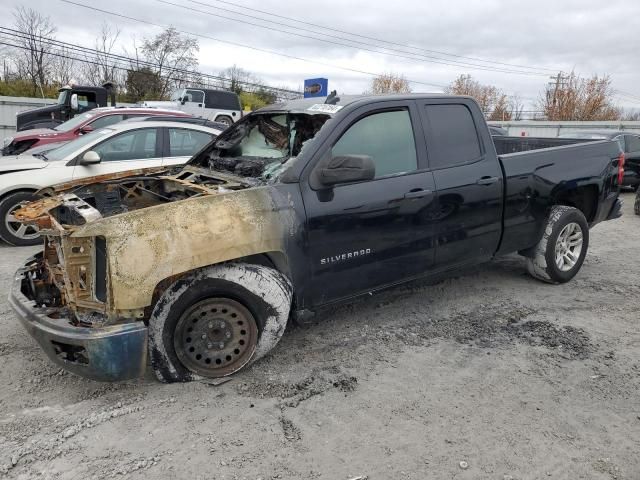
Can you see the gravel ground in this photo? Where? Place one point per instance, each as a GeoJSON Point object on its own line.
{"type": "Point", "coordinates": [489, 375]}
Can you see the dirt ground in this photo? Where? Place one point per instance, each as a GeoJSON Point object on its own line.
{"type": "Point", "coordinates": [489, 375]}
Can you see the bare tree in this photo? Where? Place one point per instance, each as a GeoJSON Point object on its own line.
{"type": "Point", "coordinates": [172, 54]}
{"type": "Point", "coordinates": [631, 116]}
{"type": "Point", "coordinates": [103, 67]}
{"type": "Point", "coordinates": [517, 108]}
{"type": "Point", "coordinates": [572, 97]}
{"type": "Point", "coordinates": [34, 60]}
{"type": "Point", "coordinates": [63, 67]}
{"type": "Point", "coordinates": [390, 83]}
{"type": "Point", "coordinates": [236, 79]}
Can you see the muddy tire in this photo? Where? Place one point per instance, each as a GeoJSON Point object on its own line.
{"type": "Point", "coordinates": [227, 120]}
{"type": "Point", "coordinates": [559, 254]}
{"type": "Point", "coordinates": [214, 322]}
{"type": "Point", "coordinates": [11, 231]}
{"type": "Point", "coordinates": [636, 205]}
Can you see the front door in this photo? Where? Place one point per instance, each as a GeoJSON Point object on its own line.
{"type": "Point", "coordinates": [195, 103]}
{"type": "Point", "coordinates": [129, 150]}
{"type": "Point", "coordinates": [369, 234]}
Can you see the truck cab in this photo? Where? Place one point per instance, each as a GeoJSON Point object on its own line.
{"type": "Point", "coordinates": [72, 100]}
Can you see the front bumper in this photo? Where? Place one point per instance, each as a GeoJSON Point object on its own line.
{"type": "Point", "coordinates": [107, 354]}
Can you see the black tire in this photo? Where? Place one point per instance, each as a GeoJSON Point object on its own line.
{"type": "Point", "coordinates": [636, 205]}
{"type": "Point", "coordinates": [227, 120]}
{"type": "Point", "coordinates": [10, 231]}
{"type": "Point", "coordinates": [263, 293]}
{"type": "Point", "coordinates": [542, 264]}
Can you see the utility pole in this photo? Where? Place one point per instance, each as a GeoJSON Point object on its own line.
{"type": "Point", "coordinates": [558, 83]}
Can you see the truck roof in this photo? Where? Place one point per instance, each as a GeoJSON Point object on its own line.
{"type": "Point", "coordinates": [304, 105]}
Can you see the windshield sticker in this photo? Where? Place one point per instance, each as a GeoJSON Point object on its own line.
{"type": "Point", "coordinates": [325, 108]}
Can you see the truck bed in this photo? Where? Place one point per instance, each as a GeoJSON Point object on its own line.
{"type": "Point", "coordinates": [538, 170]}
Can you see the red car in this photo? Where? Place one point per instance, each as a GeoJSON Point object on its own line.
{"type": "Point", "coordinates": [83, 123]}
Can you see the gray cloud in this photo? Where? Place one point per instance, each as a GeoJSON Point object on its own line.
{"type": "Point", "coordinates": [589, 36]}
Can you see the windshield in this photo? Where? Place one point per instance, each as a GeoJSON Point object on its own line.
{"type": "Point", "coordinates": [63, 152]}
{"type": "Point", "coordinates": [177, 94]}
{"type": "Point", "coordinates": [74, 122]}
{"type": "Point", "coordinates": [260, 145]}
{"type": "Point", "coordinates": [62, 97]}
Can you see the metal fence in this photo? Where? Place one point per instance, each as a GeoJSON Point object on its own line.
{"type": "Point", "coordinates": [9, 106]}
{"type": "Point", "coordinates": [535, 128]}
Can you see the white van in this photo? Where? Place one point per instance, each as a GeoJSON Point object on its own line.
{"type": "Point", "coordinates": [215, 105]}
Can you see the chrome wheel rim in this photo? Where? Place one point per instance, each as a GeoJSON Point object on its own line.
{"type": "Point", "coordinates": [17, 228]}
{"type": "Point", "coordinates": [569, 247]}
{"type": "Point", "coordinates": [215, 337]}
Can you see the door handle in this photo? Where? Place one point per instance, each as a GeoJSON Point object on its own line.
{"type": "Point", "coordinates": [487, 180]}
{"type": "Point", "coordinates": [418, 193]}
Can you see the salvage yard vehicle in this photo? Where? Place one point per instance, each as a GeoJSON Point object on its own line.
{"type": "Point", "coordinates": [72, 100]}
{"type": "Point", "coordinates": [296, 206]}
{"type": "Point", "coordinates": [215, 105]}
{"type": "Point", "coordinates": [79, 125]}
{"type": "Point", "coordinates": [116, 148]}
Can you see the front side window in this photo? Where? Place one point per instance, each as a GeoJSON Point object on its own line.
{"type": "Point", "coordinates": [183, 142]}
{"type": "Point", "coordinates": [134, 145]}
{"type": "Point", "coordinates": [195, 96]}
{"type": "Point", "coordinates": [454, 139]}
{"type": "Point", "coordinates": [387, 137]}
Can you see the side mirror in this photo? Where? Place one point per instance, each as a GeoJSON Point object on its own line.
{"type": "Point", "coordinates": [86, 129]}
{"type": "Point", "coordinates": [183, 100]}
{"type": "Point", "coordinates": [348, 168]}
{"type": "Point", "coordinates": [74, 102]}
{"type": "Point", "coordinates": [90, 158]}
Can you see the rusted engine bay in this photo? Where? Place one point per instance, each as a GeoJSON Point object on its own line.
{"type": "Point", "coordinates": [72, 271]}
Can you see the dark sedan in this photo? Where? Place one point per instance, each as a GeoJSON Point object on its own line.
{"type": "Point", "coordinates": [629, 144]}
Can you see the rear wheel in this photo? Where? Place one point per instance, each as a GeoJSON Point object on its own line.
{"type": "Point", "coordinates": [560, 253]}
{"type": "Point", "coordinates": [216, 321]}
{"type": "Point", "coordinates": [11, 230]}
{"type": "Point", "coordinates": [224, 119]}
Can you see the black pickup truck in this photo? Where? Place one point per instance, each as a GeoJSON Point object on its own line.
{"type": "Point", "coordinates": [294, 207]}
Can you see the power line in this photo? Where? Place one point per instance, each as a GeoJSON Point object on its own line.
{"type": "Point", "coordinates": [118, 59]}
{"type": "Point", "coordinates": [236, 44]}
{"type": "Point", "coordinates": [363, 36]}
{"type": "Point", "coordinates": [392, 52]}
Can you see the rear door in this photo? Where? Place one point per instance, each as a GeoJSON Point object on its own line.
{"type": "Point", "coordinates": [183, 143]}
{"type": "Point", "coordinates": [367, 234]}
{"type": "Point", "coordinates": [469, 182]}
{"type": "Point", "coordinates": [632, 160]}
{"type": "Point", "coordinates": [140, 148]}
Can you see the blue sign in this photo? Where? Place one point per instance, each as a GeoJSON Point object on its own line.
{"type": "Point", "coordinates": [316, 87]}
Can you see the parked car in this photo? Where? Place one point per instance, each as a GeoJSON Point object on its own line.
{"type": "Point", "coordinates": [79, 125]}
{"type": "Point", "coordinates": [630, 145]}
{"type": "Point", "coordinates": [289, 210]}
{"type": "Point", "coordinates": [186, 119]}
{"type": "Point", "coordinates": [117, 148]}
{"type": "Point", "coordinates": [217, 105]}
{"type": "Point", "coordinates": [72, 100]}
{"type": "Point", "coordinates": [498, 131]}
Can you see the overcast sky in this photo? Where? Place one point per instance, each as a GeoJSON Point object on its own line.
{"type": "Point", "coordinates": [590, 36]}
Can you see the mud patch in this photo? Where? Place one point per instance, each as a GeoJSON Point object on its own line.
{"type": "Point", "coordinates": [293, 393]}
{"type": "Point", "coordinates": [290, 431]}
{"type": "Point", "coordinates": [494, 325]}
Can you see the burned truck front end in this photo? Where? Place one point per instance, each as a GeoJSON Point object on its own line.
{"type": "Point", "coordinates": [61, 296]}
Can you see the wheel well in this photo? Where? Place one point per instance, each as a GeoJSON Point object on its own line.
{"type": "Point", "coordinates": [275, 260]}
{"type": "Point", "coordinates": [20, 190]}
{"type": "Point", "coordinates": [584, 199]}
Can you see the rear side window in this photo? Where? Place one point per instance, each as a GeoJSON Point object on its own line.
{"type": "Point", "coordinates": [632, 143]}
{"type": "Point", "coordinates": [106, 121]}
{"type": "Point", "coordinates": [454, 138]}
{"type": "Point", "coordinates": [184, 142]}
{"type": "Point", "coordinates": [222, 100]}
{"type": "Point", "coordinates": [387, 137]}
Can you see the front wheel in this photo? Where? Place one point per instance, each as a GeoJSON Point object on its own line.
{"type": "Point", "coordinates": [11, 230]}
{"type": "Point", "coordinates": [560, 253]}
{"type": "Point", "coordinates": [215, 321]}
{"type": "Point", "coordinates": [228, 121]}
